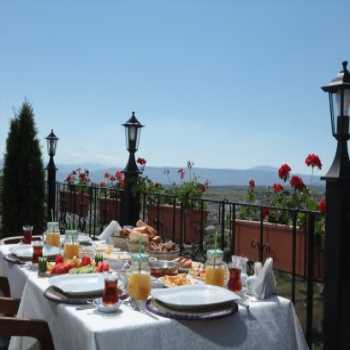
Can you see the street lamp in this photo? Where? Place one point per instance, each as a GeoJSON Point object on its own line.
{"type": "Point", "coordinates": [130, 199]}
{"type": "Point", "coordinates": [337, 277]}
{"type": "Point", "coordinates": [51, 141]}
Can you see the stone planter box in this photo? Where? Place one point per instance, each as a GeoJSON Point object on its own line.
{"type": "Point", "coordinates": [277, 242]}
{"type": "Point", "coordinates": [75, 202]}
{"type": "Point", "coordinates": [109, 209]}
{"type": "Point", "coordinates": [192, 222]}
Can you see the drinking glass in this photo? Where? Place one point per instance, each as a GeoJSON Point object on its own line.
{"type": "Point", "coordinates": [52, 235]}
{"type": "Point", "coordinates": [139, 278]}
{"type": "Point", "coordinates": [110, 292]}
{"type": "Point", "coordinates": [71, 245]}
{"type": "Point", "coordinates": [215, 268]}
{"type": "Point", "coordinates": [27, 234]}
{"type": "Point", "coordinates": [37, 251]}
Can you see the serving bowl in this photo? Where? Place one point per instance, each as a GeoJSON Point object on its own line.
{"type": "Point", "coordinates": [163, 267]}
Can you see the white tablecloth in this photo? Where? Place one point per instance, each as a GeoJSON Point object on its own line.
{"type": "Point", "coordinates": [267, 325]}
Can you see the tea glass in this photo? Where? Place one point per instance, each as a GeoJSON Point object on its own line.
{"type": "Point", "coordinates": [110, 292]}
{"type": "Point", "coordinates": [27, 234]}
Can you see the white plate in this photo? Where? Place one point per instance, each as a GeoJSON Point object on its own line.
{"type": "Point", "coordinates": [76, 284]}
{"type": "Point", "coordinates": [186, 297]}
{"type": "Point", "coordinates": [25, 251]}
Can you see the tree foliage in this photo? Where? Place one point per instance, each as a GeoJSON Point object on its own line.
{"type": "Point", "coordinates": [23, 176]}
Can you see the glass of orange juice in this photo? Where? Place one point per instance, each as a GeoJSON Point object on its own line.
{"type": "Point", "coordinates": [52, 234]}
{"type": "Point", "coordinates": [215, 268]}
{"type": "Point", "coordinates": [71, 245]}
{"type": "Point", "coordinates": [139, 277]}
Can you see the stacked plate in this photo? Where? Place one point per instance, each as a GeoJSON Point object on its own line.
{"type": "Point", "coordinates": [197, 302]}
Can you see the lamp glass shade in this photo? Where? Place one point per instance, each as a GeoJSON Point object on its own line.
{"type": "Point", "coordinates": [51, 142]}
{"type": "Point", "coordinates": [342, 99]}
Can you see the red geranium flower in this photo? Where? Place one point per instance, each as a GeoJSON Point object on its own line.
{"type": "Point", "coordinates": [322, 206]}
{"type": "Point", "coordinates": [277, 188]}
{"type": "Point", "coordinates": [313, 160]}
{"type": "Point", "coordinates": [141, 161]}
{"type": "Point", "coordinates": [251, 184]}
{"type": "Point", "coordinates": [181, 172]}
{"type": "Point", "coordinates": [119, 175]}
{"type": "Point", "coordinates": [103, 184]}
{"type": "Point", "coordinates": [297, 182]}
{"type": "Point", "coordinates": [283, 171]}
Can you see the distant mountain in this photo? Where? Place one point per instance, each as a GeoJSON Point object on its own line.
{"type": "Point", "coordinates": [263, 175]}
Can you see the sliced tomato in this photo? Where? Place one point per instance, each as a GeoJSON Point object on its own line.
{"type": "Point", "coordinates": [59, 259]}
{"type": "Point", "coordinates": [85, 260]}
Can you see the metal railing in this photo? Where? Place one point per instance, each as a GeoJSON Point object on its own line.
{"type": "Point", "coordinates": [192, 226]}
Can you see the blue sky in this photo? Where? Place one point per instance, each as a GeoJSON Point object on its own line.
{"type": "Point", "coordinates": [225, 83]}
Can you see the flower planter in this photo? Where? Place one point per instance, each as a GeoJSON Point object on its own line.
{"type": "Point", "coordinates": [277, 242]}
{"type": "Point", "coordinates": [109, 209]}
{"type": "Point", "coordinates": [75, 202]}
{"type": "Point", "coordinates": [192, 222]}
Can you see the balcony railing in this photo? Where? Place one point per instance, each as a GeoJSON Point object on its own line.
{"type": "Point", "coordinates": [296, 248]}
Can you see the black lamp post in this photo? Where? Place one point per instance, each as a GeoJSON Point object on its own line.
{"type": "Point", "coordinates": [51, 140]}
{"type": "Point", "coordinates": [130, 200]}
{"type": "Point", "coordinates": [337, 277]}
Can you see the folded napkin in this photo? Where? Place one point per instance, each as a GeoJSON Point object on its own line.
{"type": "Point", "coordinates": [112, 229]}
{"type": "Point", "coordinates": [265, 284]}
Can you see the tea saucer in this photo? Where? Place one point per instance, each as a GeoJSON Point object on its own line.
{"type": "Point", "coordinates": [107, 308]}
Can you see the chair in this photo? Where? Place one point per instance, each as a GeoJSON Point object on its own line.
{"type": "Point", "coordinates": [5, 287]}
{"type": "Point", "coordinates": [12, 326]}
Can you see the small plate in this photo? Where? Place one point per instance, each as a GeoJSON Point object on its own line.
{"type": "Point", "coordinates": [107, 308]}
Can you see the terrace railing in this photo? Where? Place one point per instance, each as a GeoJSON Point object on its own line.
{"type": "Point", "coordinates": [296, 248]}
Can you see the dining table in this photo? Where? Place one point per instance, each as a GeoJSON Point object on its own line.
{"type": "Point", "coordinates": [270, 324]}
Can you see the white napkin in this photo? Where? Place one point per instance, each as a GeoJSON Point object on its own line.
{"type": "Point", "coordinates": [265, 284]}
{"type": "Point", "coordinates": [111, 229]}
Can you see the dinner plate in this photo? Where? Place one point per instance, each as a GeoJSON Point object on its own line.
{"type": "Point", "coordinates": [78, 284]}
{"type": "Point", "coordinates": [194, 297]}
{"type": "Point", "coordinates": [191, 315]}
{"type": "Point", "coordinates": [25, 251]}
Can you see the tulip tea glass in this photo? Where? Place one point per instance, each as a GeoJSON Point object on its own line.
{"type": "Point", "coordinates": [27, 234]}
{"type": "Point", "coordinates": [110, 292]}
{"type": "Point", "coordinates": [37, 251]}
{"type": "Point", "coordinates": [235, 283]}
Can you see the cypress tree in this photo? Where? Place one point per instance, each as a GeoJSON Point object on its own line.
{"type": "Point", "coordinates": [23, 178]}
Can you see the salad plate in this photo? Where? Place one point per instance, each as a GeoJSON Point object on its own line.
{"type": "Point", "coordinates": [195, 297]}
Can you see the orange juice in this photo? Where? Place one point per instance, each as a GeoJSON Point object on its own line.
{"type": "Point", "coordinates": [71, 250]}
{"type": "Point", "coordinates": [215, 275]}
{"type": "Point", "coordinates": [53, 239]}
{"type": "Point", "coordinates": [139, 285]}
